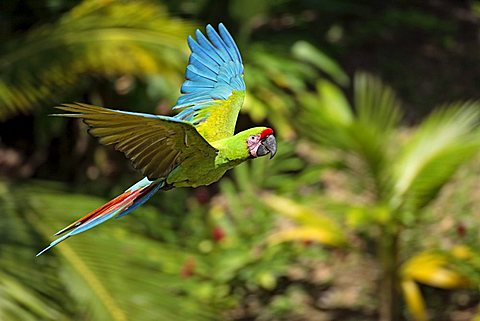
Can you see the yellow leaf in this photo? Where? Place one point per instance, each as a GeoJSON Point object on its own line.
{"type": "Point", "coordinates": [363, 216]}
{"type": "Point", "coordinates": [432, 269]}
{"type": "Point", "coordinates": [297, 212]}
{"type": "Point", "coordinates": [462, 252]}
{"type": "Point", "coordinates": [323, 236]}
{"type": "Point", "coordinates": [414, 300]}
{"type": "Point", "coordinates": [315, 225]}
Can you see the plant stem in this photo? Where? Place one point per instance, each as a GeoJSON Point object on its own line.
{"type": "Point", "coordinates": [389, 293]}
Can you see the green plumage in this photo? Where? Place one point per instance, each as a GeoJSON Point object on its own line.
{"type": "Point", "coordinates": [195, 147]}
{"type": "Point", "coordinates": [165, 148]}
{"type": "Point", "coordinates": [231, 152]}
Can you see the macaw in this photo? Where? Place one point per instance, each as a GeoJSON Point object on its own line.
{"type": "Point", "coordinates": [193, 148]}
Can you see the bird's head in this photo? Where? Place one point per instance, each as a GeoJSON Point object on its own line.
{"type": "Point", "coordinates": [260, 142]}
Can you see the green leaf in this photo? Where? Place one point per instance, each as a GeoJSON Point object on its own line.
{"type": "Point", "coordinates": [22, 303]}
{"type": "Point", "coordinates": [305, 51]}
{"type": "Point", "coordinates": [333, 103]}
{"type": "Point", "coordinates": [376, 104]}
{"type": "Point", "coordinates": [112, 275]}
{"type": "Point", "coordinates": [446, 140]}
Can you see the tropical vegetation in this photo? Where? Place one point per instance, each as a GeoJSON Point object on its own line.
{"type": "Point", "coordinates": [369, 211]}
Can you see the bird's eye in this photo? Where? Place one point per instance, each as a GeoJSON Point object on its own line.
{"type": "Point", "coordinates": [251, 138]}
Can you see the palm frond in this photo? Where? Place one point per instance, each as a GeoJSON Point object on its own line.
{"type": "Point", "coordinates": [18, 302]}
{"type": "Point", "coordinates": [307, 52]}
{"type": "Point", "coordinates": [326, 116]}
{"type": "Point", "coordinates": [429, 158]}
{"type": "Point", "coordinates": [96, 39]}
{"type": "Point", "coordinates": [113, 275]}
{"type": "Point", "coordinates": [272, 78]}
{"type": "Point", "coordinates": [368, 134]}
{"type": "Point", "coordinates": [376, 104]}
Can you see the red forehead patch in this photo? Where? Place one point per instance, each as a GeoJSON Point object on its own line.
{"type": "Point", "coordinates": [266, 132]}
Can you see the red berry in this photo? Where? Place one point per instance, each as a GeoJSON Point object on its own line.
{"type": "Point", "coordinates": [218, 234]}
{"type": "Point", "coordinates": [461, 230]}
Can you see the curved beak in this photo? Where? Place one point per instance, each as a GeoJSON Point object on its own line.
{"type": "Point", "coordinates": [267, 146]}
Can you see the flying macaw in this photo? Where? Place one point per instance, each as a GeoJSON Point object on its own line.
{"type": "Point", "coordinates": [193, 148]}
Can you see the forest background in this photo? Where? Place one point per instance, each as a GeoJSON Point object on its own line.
{"type": "Point", "coordinates": [370, 210]}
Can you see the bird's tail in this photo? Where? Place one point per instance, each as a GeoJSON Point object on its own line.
{"type": "Point", "coordinates": [117, 207]}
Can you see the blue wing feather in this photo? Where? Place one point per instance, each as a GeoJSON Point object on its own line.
{"type": "Point", "coordinates": [214, 71]}
{"type": "Point", "coordinates": [207, 58]}
{"type": "Point", "coordinates": [194, 72]}
{"type": "Point", "coordinates": [219, 44]}
{"type": "Point", "coordinates": [232, 47]}
{"type": "Point", "coordinates": [213, 52]}
{"type": "Point", "coordinates": [199, 63]}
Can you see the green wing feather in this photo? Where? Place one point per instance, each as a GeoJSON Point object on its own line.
{"type": "Point", "coordinates": [154, 144]}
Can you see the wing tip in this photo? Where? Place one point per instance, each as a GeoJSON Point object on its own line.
{"type": "Point", "coordinates": [198, 33]}
{"type": "Point", "coordinates": [215, 54]}
{"type": "Point", "coordinates": [209, 27]}
{"type": "Point", "coordinates": [213, 34]}
{"type": "Point", "coordinates": [191, 42]}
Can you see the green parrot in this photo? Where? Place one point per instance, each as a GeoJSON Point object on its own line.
{"type": "Point", "coordinates": [193, 148]}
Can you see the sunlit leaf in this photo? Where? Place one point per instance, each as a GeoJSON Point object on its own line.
{"type": "Point", "coordinates": [462, 252]}
{"type": "Point", "coordinates": [365, 216]}
{"type": "Point", "coordinates": [313, 224]}
{"type": "Point", "coordinates": [433, 268]}
{"type": "Point", "coordinates": [333, 103]}
{"type": "Point", "coordinates": [316, 234]}
{"type": "Point", "coordinates": [414, 300]}
{"type": "Point", "coordinates": [431, 156]}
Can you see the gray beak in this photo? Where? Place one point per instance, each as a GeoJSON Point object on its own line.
{"type": "Point", "coordinates": [268, 146]}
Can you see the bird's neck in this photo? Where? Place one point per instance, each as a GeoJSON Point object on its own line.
{"type": "Point", "coordinates": [231, 152]}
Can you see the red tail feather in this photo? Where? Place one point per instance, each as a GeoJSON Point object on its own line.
{"type": "Point", "coordinates": [120, 200]}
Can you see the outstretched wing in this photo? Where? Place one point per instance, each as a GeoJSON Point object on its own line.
{"type": "Point", "coordinates": [214, 89]}
{"type": "Point", "coordinates": [154, 144]}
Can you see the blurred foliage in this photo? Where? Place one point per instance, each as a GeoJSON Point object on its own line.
{"type": "Point", "coordinates": [400, 173]}
{"type": "Point", "coordinates": [314, 226]}
{"type": "Point", "coordinates": [94, 38]}
{"type": "Point", "coordinates": [92, 277]}
{"type": "Point", "coordinates": [356, 211]}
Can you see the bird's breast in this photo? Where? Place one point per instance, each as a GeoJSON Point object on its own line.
{"type": "Point", "coordinates": [196, 174]}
